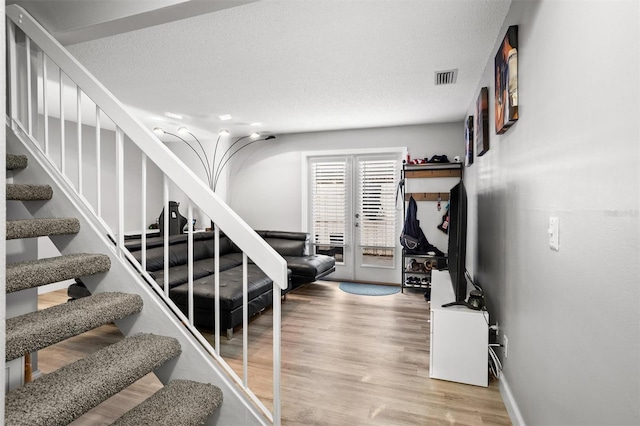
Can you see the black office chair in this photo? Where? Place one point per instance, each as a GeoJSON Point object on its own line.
{"type": "Point", "coordinates": [177, 222]}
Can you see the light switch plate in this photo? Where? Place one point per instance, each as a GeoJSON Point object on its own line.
{"type": "Point", "coordinates": [554, 241]}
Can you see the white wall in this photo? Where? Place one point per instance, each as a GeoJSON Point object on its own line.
{"type": "Point", "coordinates": [571, 316]}
{"type": "Point", "coordinates": [265, 180]}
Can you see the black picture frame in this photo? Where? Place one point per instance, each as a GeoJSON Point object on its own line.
{"type": "Point", "coordinates": [506, 81]}
{"type": "Point", "coordinates": [481, 122]}
{"type": "Point", "coordinates": [468, 141]}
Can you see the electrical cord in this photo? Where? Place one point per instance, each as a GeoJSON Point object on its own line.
{"type": "Point", "coordinates": [494, 362]}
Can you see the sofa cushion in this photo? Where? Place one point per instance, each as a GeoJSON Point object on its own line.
{"type": "Point", "coordinates": [286, 243]}
{"type": "Point", "coordinates": [230, 288]}
{"type": "Point", "coordinates": [201, 268]}
{"type": "Point", "coordinates": [310, 267]}
{"type": "Point", "coordinates": [178, 251]}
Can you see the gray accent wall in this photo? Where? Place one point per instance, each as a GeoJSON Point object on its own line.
{"type": "Point", "coordinates": [571, 316]}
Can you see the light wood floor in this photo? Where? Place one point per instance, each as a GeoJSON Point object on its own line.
{"type": "Point", "coordinates": [346, 360]}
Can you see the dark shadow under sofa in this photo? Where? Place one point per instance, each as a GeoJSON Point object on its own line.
{"type": "Point", "coordinates": [292, 246]}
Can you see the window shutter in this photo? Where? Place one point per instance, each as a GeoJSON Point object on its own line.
{"type": "Point", "coordinates": [377, 202]}
{"type": "Point", "coordinates": [329, 201]}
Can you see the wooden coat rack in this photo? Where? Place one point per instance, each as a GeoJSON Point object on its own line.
{"type": "Point", "coordinates": [427, 196]}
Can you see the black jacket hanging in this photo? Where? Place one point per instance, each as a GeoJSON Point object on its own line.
{"type": "Point", "coordinates": [412, 238]}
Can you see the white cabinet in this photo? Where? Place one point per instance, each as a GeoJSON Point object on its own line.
{"type": "Point", "coordinates": [459, 337]}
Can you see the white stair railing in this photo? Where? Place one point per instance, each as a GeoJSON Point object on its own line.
{"type": "Point", "coordinates": [32, 55]}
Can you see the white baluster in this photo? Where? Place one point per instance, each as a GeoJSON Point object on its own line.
{"type": "Point", "coordinates": [165, 201]}
{"type": "Point", "coordinates": [29, 103]}
{"type": "Point", "coordinates": [79, 133]}
{"type": "Point", "coordinates": [98, 165]}
{"type": "Point", "coordinates": [190, 260]}
{"type": "Point", "coordinates": [143, 210]}
{"type": "Point", "coordinates": [45, 103]}
{"type": "Point", "coordinates": [120, 188]}
{"type": "Point", "coordinates": [63, 154]}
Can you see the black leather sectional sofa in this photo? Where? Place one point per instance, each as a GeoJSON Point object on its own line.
{"type": "Point", "coordinates": [292, 246]}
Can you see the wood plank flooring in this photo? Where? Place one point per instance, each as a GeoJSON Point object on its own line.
{"type": "Point", "coordinates": [346, 360]}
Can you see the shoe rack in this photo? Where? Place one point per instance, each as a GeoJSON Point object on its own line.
{"type": "Point", "coordinates": [416, 271]}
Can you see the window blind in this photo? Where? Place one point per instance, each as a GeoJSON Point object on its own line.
{"type": "Point", "coordinates": [377, 202]}
{"type": "Point", "coordinates": [329, 202]}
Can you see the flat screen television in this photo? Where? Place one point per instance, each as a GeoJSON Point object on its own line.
{"type": "Point", "coordinates": [457, 250]}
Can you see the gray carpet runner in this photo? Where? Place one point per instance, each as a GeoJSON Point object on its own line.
{"type": "Point", "coordinates": [67, 393]}
{"type": "Point", "coordinates": [34, 273]}
{"type": "Point", "coordinates": [15, 162]}
{"type": "Point", "coordinates": [62, 396]}
{"type": "Point", "coordinates": [31, 228]}
{"type": "Point", "coordinates": [181, 402]}
{"type": "Point", "coordinates": [25, 192]}
{"type": "Point", "coordinates": [37, 330]}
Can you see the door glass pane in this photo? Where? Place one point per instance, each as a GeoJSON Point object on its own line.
{"type": "Point", "coordinates": [329, 207]}
{"type": "Point", "coordinates": [377, 179]}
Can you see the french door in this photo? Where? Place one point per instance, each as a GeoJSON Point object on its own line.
{"type": "Point", "coordinates": [353, 215]}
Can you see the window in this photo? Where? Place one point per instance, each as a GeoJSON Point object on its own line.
{"type": "Point", "coordinates": [329, 206]}
{"type": "Point", "coordinates": [377, 180]}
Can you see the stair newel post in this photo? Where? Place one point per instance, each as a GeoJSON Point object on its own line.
{"type": "Point", "coordinates": [277, 326]}
{"type": "Point", "coordinates": [120, 188]}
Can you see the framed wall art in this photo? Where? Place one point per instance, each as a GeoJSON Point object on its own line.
{"type": "Point", "coordinates": [506, 78]}
{"type": "Point", "coordinates": [481, 127]}
{"type": "Point", "coordinates": [468, 141]}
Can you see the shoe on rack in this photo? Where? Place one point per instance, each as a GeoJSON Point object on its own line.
{"type": "Point", "coordinates": [411, 265]}
{"type": "Point", "coordinates": [439, 159]}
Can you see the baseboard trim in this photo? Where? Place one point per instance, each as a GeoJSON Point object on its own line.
{"type": "Point", "coordinates": [36, 374]}
{"type": "Point", "coordinates": [510, 403]}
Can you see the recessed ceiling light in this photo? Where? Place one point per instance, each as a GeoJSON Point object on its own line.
{"type": "Point", "coordinates": [225, 117]}
{"type": "Point", "coordinates": [158, 131]}
{"type": "Point", "coordinates": [255, 135]}
{"type": "Point", "coordinates": [183, 130]}
{"type": "Point", "coordinates": [223, 132]}
{"type": "Point", "coordinates": [256, 124]}
{"type": "Point", "coordinates": [172, 115]}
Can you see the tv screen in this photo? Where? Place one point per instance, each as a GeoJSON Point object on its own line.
{"type": "Point", "coordinates": [458, 240]}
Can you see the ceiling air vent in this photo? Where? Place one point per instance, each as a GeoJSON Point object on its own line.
{"type": "Point", "coordinates": [446, 77]}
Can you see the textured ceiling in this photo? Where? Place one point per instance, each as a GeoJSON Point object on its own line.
{"type": "Point", "coordinates": [298, 66]}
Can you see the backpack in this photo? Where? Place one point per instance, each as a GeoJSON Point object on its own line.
{"type": "Point", "coordinates": [412, 238]}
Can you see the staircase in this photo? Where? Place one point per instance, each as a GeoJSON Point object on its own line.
{"type": "Point", "coordinates": [65, 394]}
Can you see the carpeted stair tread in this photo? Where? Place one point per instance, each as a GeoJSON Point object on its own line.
{"type": "Point", "coordinates": [15, 162]}
{"type": "Point", "coordinates": [31, 228]}
{"type": "Point", "coordinates": [27, 192]}
{"type": "Point", "coordinates": [65, 394]}
{"type": "Point", "coordinates": [37, 330]}
{"type": "Point", "coordinates": [181, 402]}
{"type": "Point", "coordinates": [34, 273]}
